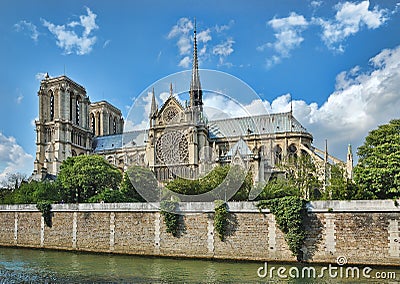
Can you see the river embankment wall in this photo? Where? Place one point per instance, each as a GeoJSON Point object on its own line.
{"type": "Point", "coordinates": [364, 232]}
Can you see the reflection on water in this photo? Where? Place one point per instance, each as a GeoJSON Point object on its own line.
{"type": "Point", "coordinates": [44, 266]}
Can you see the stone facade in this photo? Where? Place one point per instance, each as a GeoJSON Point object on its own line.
{"type": "Point", "coordinates": [180, 141]}
{"type": "Point", "coordinates": [62, 129]}
{"type": "Point", "coordinates": [365, 232]}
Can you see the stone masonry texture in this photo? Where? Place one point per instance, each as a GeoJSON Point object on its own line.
{"type": "Point", "coordinates": [364, 232]}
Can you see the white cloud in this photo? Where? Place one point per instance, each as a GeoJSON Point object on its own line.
{"type": "Point", "coordinates": [106, 43]}
{"type": "Point", "coordinates": [361, 102]}
{"type": "Point", "coordinates": [222, 28]}
{"type": "Point", "coordinates": [185, 62]}
{"type": "Point", "coordinates": [68, 39]}
{"type": "Point", "coordinates": [19, 98]}
{"type": "Point", "coordinates": [184, 26]}
{"type": "Point", "coordinates": [13, 158]}
{"type": "Point", "coordinates": [40, 76]}
{"type": "Point", "coordinates": [288, 36]}
{"type": "Point", "coordinates": [164, 97]}
{"type": "Point", "coordinates": [349, 19]}
{"type": "Point", "coordinates": [224, 49]}
{"type": "Point", "coordinates": [182, 32]}
{"type": "Point", "coordinates": [32, 29]}
{"type": "Point", "coordinates": [184, 45]}
{"type": "Point", "coordinates": [204, 36]}
{"type": "Point", "coordinates": [315, 4]}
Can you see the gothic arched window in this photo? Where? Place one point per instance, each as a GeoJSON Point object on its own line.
{"type": "Point", "coordinates": [98, 130]}
{"type": "Point", "coordinates": [93, 122]}
{"type": "Point", "coordinates": [115, 126]}
{"type": "Point", "coordinates": [51, 105]}
{"type": "Point", "coordinates": [110, 124]}
{"type": "Point", "coordinates": [71, 106]}
{"type": "Point", "coordinates": [77, 111]}
{"type": "Point", "coordinates": [278, 154]}
{"type": "Point", "coordinates": [292, 152]}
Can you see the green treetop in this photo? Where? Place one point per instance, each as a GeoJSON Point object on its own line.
{"type": "Point", "coordinates": [378, 168]}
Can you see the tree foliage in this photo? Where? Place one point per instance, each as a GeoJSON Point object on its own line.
{"type": "Point", "coordinates": [220, 218]}
{"type": "Point", "coordinates": [290, 212]}
{"type": "Point", "coordinates": [342, 188]}
{"type": "Point", "coordinates": [84, 176]}
{"type": "Point", "coordinates": [299, 178]}
{"type": "Point", "coordinates": [33, 192]}
{"type": "Point", "coordinates": [140, 184]}
{"type": "Point", "coordinates": [109, 196]}
{"type": "Point", "coordinates": [171, 219]}
{"type": "Point", "coordinates": [279, 187]}
{"type": "Point", "coordinates": [378, 168]}
{"type": "Point", "coordinates": [45, 208]}
{"type": "Point", "coordinates": [302, 172]}
{"type": "Point", "coordinates": [221, 176]}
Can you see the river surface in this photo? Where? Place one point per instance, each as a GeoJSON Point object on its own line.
{"type": "Point", "coordinates": [19, 265]}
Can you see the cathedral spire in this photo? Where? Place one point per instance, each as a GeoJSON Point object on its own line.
{"type": "Point", "coordinates": [153, 109]}
{"type": "Point", "coordinates": [349, 163]}
{"type": "Point", "coordinates": [196, 94]}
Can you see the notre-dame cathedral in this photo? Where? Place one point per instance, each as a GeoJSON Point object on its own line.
{"type": "Point", "coordinates": [180, 141]}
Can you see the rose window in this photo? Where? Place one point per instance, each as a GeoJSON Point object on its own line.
{"type": "Point", "coordinates": [172, 148]}
{"type": "Point", "coordinates": [170, 113]}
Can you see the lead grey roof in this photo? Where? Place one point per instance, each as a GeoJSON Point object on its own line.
{"type": "Point", "coordinates": [231, 127]}
{"type": "Point", "coordinates": [111, 142]}
{"type": "Point", "coordinates": [261, 124]}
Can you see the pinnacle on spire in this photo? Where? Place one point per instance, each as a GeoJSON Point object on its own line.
{"type": "Point", "coordinates": [171, 92]}
{"type": "Point", "coordinates": [349, 151]}
{"type": "Point", "coordinates": [349, 163]}
{"type": "Point", "coordinates": [196, 94]}
{"type": "Point", "coordinates": [153, 109]}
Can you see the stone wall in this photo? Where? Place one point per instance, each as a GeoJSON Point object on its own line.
{"type": "Point", "coordinates": [365, 232]}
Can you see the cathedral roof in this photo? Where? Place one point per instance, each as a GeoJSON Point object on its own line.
{"type": "Point", "coordinates": [231, 127]}
{"type": "Point", "coordinates": [261, 124]}
{"type": "Point", "coordinates": [112, 142]}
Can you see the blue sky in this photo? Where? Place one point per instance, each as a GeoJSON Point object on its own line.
{"type": "Point", "coordinates": [338, 60]}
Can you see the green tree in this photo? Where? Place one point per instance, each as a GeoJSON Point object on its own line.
{"type": "Point", "coordinates": [225, 176]}
{"type": "Point", "coordinates": [342, 188]}
{"type": "Point", "coordinates": [140, 184]}
{"type": "Point", "coordinates": [33, 192]}
{"type": "Point", "coordinates": [109, 196]}
{"type": "Point", "coordinates": [279, 187]}
{"type": "Point", "coordinates": [303, 173]}
{"type": "Point", "coordinates": [185, 186]}
{"type": "Point", "coordinates": [82, 177]}
{"type": "Point", "coordinates": [378, 168]}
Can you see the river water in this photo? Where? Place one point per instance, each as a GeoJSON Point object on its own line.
{"type": "Point", "coordinates": [19, 265]}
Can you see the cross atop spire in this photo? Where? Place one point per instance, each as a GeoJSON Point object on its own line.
{"type": "Point", "coordinates": [196, 94]}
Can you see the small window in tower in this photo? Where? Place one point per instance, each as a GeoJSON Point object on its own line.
{"type": "Point", "coordinates": [51, 106]}
{"type": "Point", "coordinates": [115, 126]}
{"type": "Point", "coordinates": [70, 105]}
{"type": "Point", "coordinates": [93, 124]}
{"type": "Point", "coordinates": [77, 112]}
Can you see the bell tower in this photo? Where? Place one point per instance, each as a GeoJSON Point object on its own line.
{"type": "Point", "coordinates": [62, 129]}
